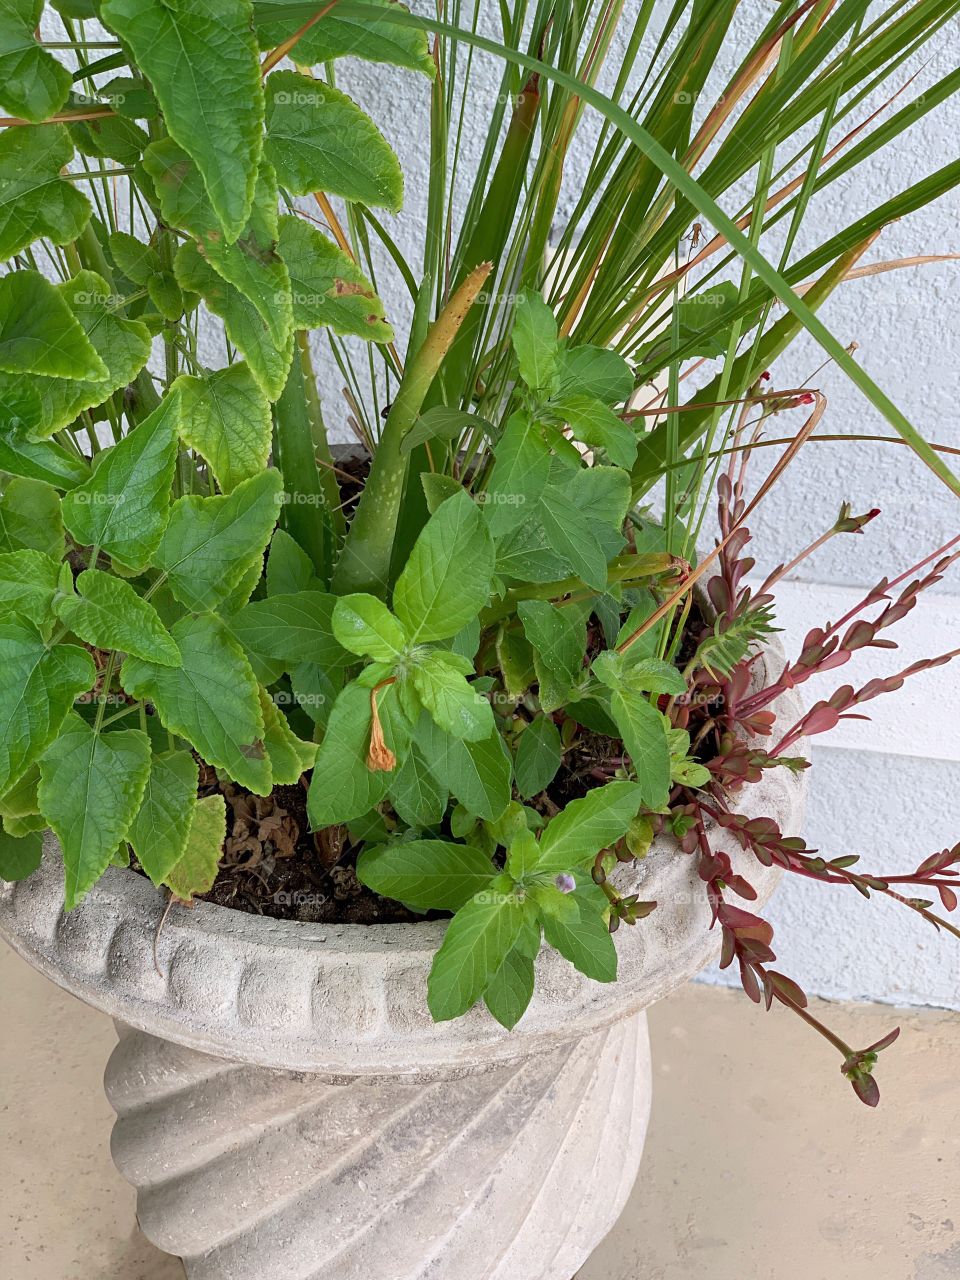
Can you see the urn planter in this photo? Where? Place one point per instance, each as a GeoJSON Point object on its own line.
{"type": "Point", "coordinates": [287, 1110]}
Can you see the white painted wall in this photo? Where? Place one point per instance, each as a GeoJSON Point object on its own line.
{"type": "Point", "coordinates": [887, 789]}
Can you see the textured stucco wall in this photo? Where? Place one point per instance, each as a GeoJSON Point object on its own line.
{"type": "Point", "coordinates": [892, 793]}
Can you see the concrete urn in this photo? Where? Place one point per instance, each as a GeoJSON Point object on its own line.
{"type": "Point", "coordinates": [287, 1110]}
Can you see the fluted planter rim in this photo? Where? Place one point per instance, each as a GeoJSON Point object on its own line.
{"type": "Point", "coordinates": [351, 999]}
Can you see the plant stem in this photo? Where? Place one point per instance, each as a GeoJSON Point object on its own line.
{"type": "Point", "coordinates": [365, 562]}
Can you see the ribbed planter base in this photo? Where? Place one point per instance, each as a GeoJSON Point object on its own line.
{"type": "Point", "coordinates": [514, 1172]}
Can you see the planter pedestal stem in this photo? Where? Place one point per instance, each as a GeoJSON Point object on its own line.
{"type": "Point", "coordinates": [514, 1171]}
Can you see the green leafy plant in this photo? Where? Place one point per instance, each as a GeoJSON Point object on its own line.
{"type": "Point", "coordinates": [486, 661]}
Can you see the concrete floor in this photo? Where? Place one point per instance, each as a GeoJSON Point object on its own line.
{"type": "Point", "coordinates": [760, 1164]}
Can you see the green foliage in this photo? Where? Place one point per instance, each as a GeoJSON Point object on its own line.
{"type": "Point", "coordinates": [124, 507]}
{"type": "Point", "coordinates": [318, 139]}
{"type": "Point", "coordinates": [475, 633]}
{"type": "Point", "coordinates": [91, 787]}
{"type": "Point", "coordinates": [204, 70]}
{"type": "Point", "coordinates": [33, 84]}
{"type": "Point", "coordinates": [35, 200]}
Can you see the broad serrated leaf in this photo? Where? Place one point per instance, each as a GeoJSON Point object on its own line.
{"type": "Point", "coordinates": [318, 139]}
{"type": "Point", "coordinates": [136, 259]}
{"type": "Point", "coordinates": [108, 614]}
{"type": "Point", "coordinates": [365, 626]}
{"type": "Point", "coordinates": [536, 344]}
{"type": "Point", "coordinates": [289, 568]}
{"type": "Point", "coordinates": [419, 798]}
{"type": "Point", "coordinates": [572, 537]}
{"type": "Point", "coordinates": [525, 553]}
{"type": "Point", "coordinates": [583, 938]}
{"type": "Point", "coordinates": [520, 473]}
{"type": "Point", "coordinates": [292, 628]}
{"type": "Point", "coordinates": [328, 288]}
{"type": "Point", "coordinates": [638, 673]}
{"type": "Point", "coordinates": [38, 460]}
{"type": "Point", "coordinates": [38, 686]}
{"type": "Point", "coordinates": [123, 346]}
{"type": "Point", "coordinates": [446, 581]}
{"type": "Point", "coordinates": [426, 874]}
{"type": "Point", "coordinates": [210, 543]}
{"type": "Point", "coordinates": [28, 580]}
{"type": "Point", "coordinates": [196, 869]}
{"type": "Point", "coordinates": [343, 786]}
{"type": "Point", "coordinates": [225, 417]}
{"type": "Point", "coordinates": [477, 941]}
{"type": "Point", "coordinates": [91, 786]}
{"type": "Point", "coordinates": [510, 990]}
{"type": "Point", "coordinates": [559, 639]}
{"type": "Point", "coordinates": [268, 362]}
{"type": "Point", "coordinates": [336, 36]}
{"type": "Point", "coordinates": [20, 856]}
{"type": "Point", "coordinates": [289, 755]}
{"type": "Point", "coordinates": [212, 700]}
{"type": "Point", "coordinates": [595, 372]}
{"type": "Point", "coordinates": [40, 334]}
{"type": "Point", "coordinates": [33, 84]}
{"type": "Point", "coordinates": [124, 507]}
{"type": "Point", "coordinates": [539, 753]}
{"type": "Point", "coordinates": [477, 773]}
{"type": "Point", "coordinates": [201, 60]}
{"type": "Point", "coordinates": [251, 264]}
{"type": "Point", "coordinates": [30, 519]}
{"type": "Point", "coordinates": [158, 833]}
{"type": "Point", "coordinates": [35, 201]}
{"type": "Point", "coordinates": [593, 424]}
{"type": "Point", "coordinates": [588, 825]}
{"type": "Point", "coordinates": [644, 734]}
{"type": "Point", "coordinates": [455, 705]}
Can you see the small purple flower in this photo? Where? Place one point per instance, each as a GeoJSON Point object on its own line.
{"type": "Point", "coordinates": [565, 883]}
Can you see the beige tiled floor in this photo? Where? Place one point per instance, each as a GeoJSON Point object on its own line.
{"type": "Point", "coordinates": [760, 1164]}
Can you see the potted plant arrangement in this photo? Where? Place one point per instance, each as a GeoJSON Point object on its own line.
{"type": "Point", "coordinates": [376, 793]}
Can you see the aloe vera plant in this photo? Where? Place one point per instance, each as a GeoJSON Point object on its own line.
{"type": "Point", "coordinates": [184, 594]}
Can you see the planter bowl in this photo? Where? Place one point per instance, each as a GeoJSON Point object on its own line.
{"type": "Point", "coordinates": [287, 1110]}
